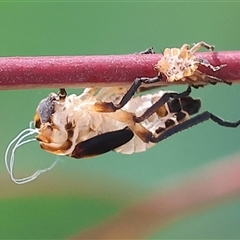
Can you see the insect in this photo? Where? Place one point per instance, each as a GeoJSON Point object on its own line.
{"type": "Point", "coordinates": [94, 123]}
{"type": "Point", "coordinates": [110, 118]}
{"type": "Point", "coordinates": [180, 64]}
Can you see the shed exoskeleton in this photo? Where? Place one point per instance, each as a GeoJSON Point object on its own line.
{"type": "Point", "coordinates": [180, 64]}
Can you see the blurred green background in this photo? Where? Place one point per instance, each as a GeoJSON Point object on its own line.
{"type": "Point", "coordinates": [81, 193]}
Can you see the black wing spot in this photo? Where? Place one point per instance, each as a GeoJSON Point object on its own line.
{"type": "Point", "coordinates": [102, 143]}
{"type": "Point", "coordinates": [169, 123]}
{"type": "Point", "coordinates": [174, 105]}
{"type": "Point", "coordinates": [180, 116]}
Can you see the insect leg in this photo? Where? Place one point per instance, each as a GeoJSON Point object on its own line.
{"type": "Point", "coordinates": [192, 122]}
{"type": "Point", "coordinates": [102, 143]}
{"type": "Point", "coordinates": [111, 107]}
{"type": "Point", "coordinates": [62, 94]}
{"type": "Point", "coordinates": [208, 78]}
{"type": "Point", "coordinates": [197, 86]}
{"type": "Point", "coordinates": [206, 63]}
{"type": "Point", "coordinates": [213, 80]}
{"type": "Point", "coordinates": [161, 102]}
{"type": "Point", "coordinates": [147, 51]}
{"type": "Point", "coordinates": [201, 44]}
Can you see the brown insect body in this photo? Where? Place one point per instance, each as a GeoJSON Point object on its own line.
{"type": "Point", "coordinates": [78, 118]}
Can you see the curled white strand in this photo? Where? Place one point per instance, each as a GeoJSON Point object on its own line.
{"type": "Point", "coordinates": [10, 155]}
{"type": "Point", "coordinates": [21, 136]}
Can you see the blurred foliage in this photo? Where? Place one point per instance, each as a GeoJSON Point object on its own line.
{"type": "Point", "coordinates": [84, 28]}
{"type": "Point", "coordinates": [51, 217]}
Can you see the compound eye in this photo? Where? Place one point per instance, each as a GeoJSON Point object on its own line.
{"type": "Point", "coordinates": [190, 105]}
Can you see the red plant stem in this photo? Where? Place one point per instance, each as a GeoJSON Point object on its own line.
{"type": "Point", "coordinates": [109, 70]}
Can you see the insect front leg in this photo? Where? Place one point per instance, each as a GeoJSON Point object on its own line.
{"type": "Point", "coordinates": [160, 103]}
{"type": "Point", "coordinates": [111, 107]}
{"type": "Point", "coordinates": [192, 122]}
{"type": "Point", "coordinates": [62, 94]}
{"type": "Point", "coordinates": [147, 51]}
{"type": "Point", "coordinates": [198, 45]}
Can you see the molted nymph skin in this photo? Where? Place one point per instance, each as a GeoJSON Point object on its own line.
{"type": "Point", "coordinates": [180, 64]}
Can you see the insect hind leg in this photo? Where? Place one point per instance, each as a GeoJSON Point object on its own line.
{"type": "Point", "coordinates": [208, 78]}
{"type": "Point", "coordinates": [206, 63]}
{"type": "Point", "coordinates": [214, 80]}
{"type": "Point", "coordinates": [222, 122]}
{"type": "Point", "coordinates": [192, 122]}
{"type": "Point", "coordinates": [161, 102]}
